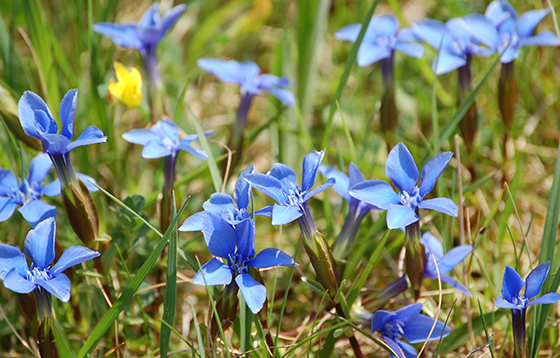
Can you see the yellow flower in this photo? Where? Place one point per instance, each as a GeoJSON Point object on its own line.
{"type": "Point", "coordinates": [128, 87]}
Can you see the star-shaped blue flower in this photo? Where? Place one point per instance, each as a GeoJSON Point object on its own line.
{"type": "Point", "coordinates": [247, 76]}
{"type": "Point", "coordinates": [38, 122]}
{"type": "Point", "coordinates": [237, 247]}
{"type": "Point", "coordinates": [382, 37]}
{"type": "Point", "coordinates": [512, 298]}
{"type": "Point", "coordinates": [456, 40]}
{"type": "Point", "coordinates": [514, 32]}
{"type": "Point", "coordinates": [445, 263]}
{"type": "Point", "coordinates": [402, 207]}
{"type": "Point", "coordinates": [145, 35]}
{"type": "Point", "coordinates": [280, 184]}
{"type": "Point", "coordinates": [39, 246]}
{"type": "Point", "coordinates": [27, 192]}
{"type": "Point", "coordinates": [407, 323]}
{"type": "Point", "coordinates": [162, 140]}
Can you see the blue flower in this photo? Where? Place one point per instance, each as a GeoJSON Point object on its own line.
{"type": "Point", "coordinates": [280, 184]}
{"type": "Point", "coordinates": [38, 122]}
{"type": "Point", "coordinates": [237, 247]}
{"type": "Point", "coordinates": [145, 35]}
{"type": "Point", "coordinates": [28, 191]}
{"type": "Point", "coordinates": [39, 246]}
{"type": "Point", "coordinates": [407, 323]}
{"type": "Point", "coordinates": [445, 263]}
{"type": "Point", "coordinates": [514, 32]}
{"type": "Point", "coordinates": [402, 207]}
{"type": "Point", "coordinates": [163, 140]}
{"type": "Point", "coordinates": [455, 40]}
{"type": "Point", "coordinates": [246, 75]}
{"type": "Point", "coordinates": [382, 37]}
{"type": "Point", "coordinates": [512, 284]}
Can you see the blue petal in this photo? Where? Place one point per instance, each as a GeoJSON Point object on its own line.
{"type": "Point", "coordinates": [219, 204]}
{"type": "Point", "coordinates": [375, 192]}
{"type": "Point", "coordinates": [283, 95]}
{"type": "Point", "coordinates": [58, 286]}
{"type": "Point", "coordinates": [510, 54]}
{"type": "Point", "coordinates": [407, 313]}
{"type": "Point", "coordinates": [418, 329]}
{"type": "Point", "coordinates": [430, 31]}
{"type": "Point", "coordinates": [267, 80]}
{"type": "Point", "coordinates": [511, 284]}
{"type": "Point", "coordinates": [39, 168]}
{"type": "Point", "coordinates": [499, 11]}
{"type": "Point", "coordinates": [166, 128]}
{"type": "Point", "coordinates": [195, 222]}
{"type": "Point", "coordinates": [482, 29]}
{"type": "Point", "coordinates": [443, 205]}
{"type": "Point", "coordinates": [319, 189]}
{"type": "Point", "coordinates": [91, 135]}
{"type": "Point", "coordinates": [407, 35]}
{"type": "Point", "coordinates": [310, 167]}
{"type": "Point", "coordinates": [226, 71]}
{"type": "Point", "coordinates": [54, 143]}
{"type": "Point", "coordinates": [545, 38]}
{"type": "Point", "coordinates": [53, 189]}
{"type": "Point", "coordinates": [11, 257]}
{"type": "Point", "coordinates": [447, 62]}
{"type": "Point", "coordinates": [171, 17]}
{"type": "Point", "coordinates": [393, 343]}
{"type": "Point", "coordinates": [27, 105]}
{"type": "Point", "coordinates": [432, 171]}
{"type": "Point", "coordinates": [72, 256]}
{"type": "Point", "coordinates": [400, 216]}
{"type": "Point", "coordinates": [245, 232]}
{"type": "Point", "coordinates": [88, 182]}
{"type": "Point", "coordinates": [369, 53]}
{"type": "Point", "coordinates": [433, 244]}
{"type": "Point", "coordinates": [282, 215]}
{"type": "Point", "coordinates": [380, 319]}
{"type": "Point", "coordinates": [17, 283]}
{"type": "Point", "coordinates": [7, 207]}
{"type": "Point", "coordinates": [8, 182]}
{"type": "Point", "coordinates": [242, 191]}
{"type": "Point", "coordinates": [455, 284]}
{"type": "Point", "coordinates": [535, 280]}
{"type": "Point", "coordinates": [342, 182]}
{"type": "Point", "coordinates": [349, 32]}
{"type": "Point", "coordinates": [529, 20]}
{"type": "Point", "coordinates": [214, 272]}
{"type": "Point", "coordinates": [140, 136]}
{"type": "Point", "coordinates": [197, 152]}
{"type": "Point", "coordinates": [500, 302]}
{"type": "Point", "coordinates": [354, 175]}
{"type": "Point", "coordinates": [411, 49]}
{"type": "Point", "coordinates": [401, 169]}
{"type": "Point", "coordinates": [124, 35]}
{"type": "Point", "coordinates": [253, 292]}
{"type": "Point", "coordinates": [285, 174]}
{"type": "Point", "coordinates": [549, 298]}
{"type": "Point", "coordinates": [453, 258]}
{"type": "Point", "coordinates": [384, 25]}
{"type": "Point", "coordinates": [220, 236]}
{"type": "Point", "coordinates": [266, 211]}
{"type": "Point", "coordinates": [155, 149]}
{"type": "Point", "coordinates": [68, 112]}
{"type": "Point", "coordinates": [39, 243]}
{"type": "Point", "coordinates": [267, 184]}
{"type": "Point", "coordinates": [36, 211]}
{"type": "Point", "coordinates": [150, 16]}
{"type": "Point", "coordinates": [408, 350]}
{"type": "Point", "coordinates": [270, 258]}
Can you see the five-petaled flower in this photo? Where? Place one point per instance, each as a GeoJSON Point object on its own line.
{"type": "Point", "coordinates": [128, 87]}
{"type": "Point", "coordinates": [39, 246]}
{"type": "Point", "coordinates": [512, 284]}
{"type": "Point", "coordinates": [162, 140]}
{"type": "Point", "coordinates": [402, 207]}
{"type": "Point", "coordinates": [514, 31]}
{"type": "Point", "coordinates": [382, 37]}
{"type": "Point", "coordinates": [28, 191]}
{"type": "Point", "coordinates": [237, 247]}
{"type": "Point", "coordinates": [445, 263]}
{"type": "Point", "coordinates": [280, 184]}
{"type": "Point", "coordinates": [407, 323]}
{"type": "Point", "coordinates": [247, 76]}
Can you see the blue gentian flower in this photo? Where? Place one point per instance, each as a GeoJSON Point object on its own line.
{"type": "Point", "coordinates": [162, 140]}
{"type": "Point", "coordinates": [445, 263]}
{"type": "Point", "coordinates": [247, 75]}
{"type": "Point", "coordinates": [514, 32]}
{"type": "Point", "coordinates": [402, 208]}
{"type": "Point", "coordinates": [455, 40]}
{"type": "Point", "coordinates": [38, 122]}
{"type": "Point", "coordinates": [40, 247]}
{"type": "Point", "coordinates": [382, 37]}
{"type": "Point", "coordinates": [407, 323]}
{"type": "Point", "coordinates": [280, 184]}
{"type": "Point", "coordinates": [237, 247]}
{"type": "Point", "coordinates": [27, 193]}
{"type": "Point", "coordinates": [512, 284]}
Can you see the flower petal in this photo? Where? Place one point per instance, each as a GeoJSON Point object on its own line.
{"type": "Point", "coordinates": [11, 257]}
{"type": "Point", "coordinates": [282, 215]}
{"type": "Point", "coordinates": [266, 211]}
{"type": "Point", "coordinates": [510, 54]}
{"type": "Point", "coordinates": [432, 244]}
{"type": "Point", "coordinates": [88, 182]}
{"type": "Point", "coordinates": [455, 284]}
{"type": "Point", "coordinates": [245, 232]}
{"type": "Point", "coordinates": [53, 143]}
{"type": "Point", "coordinates": [170, 18]}
{"type": "Point", "coordinates": [401, 169]}
{"type": "Point", "coordinates": [219, 204]}
{"type": "Point", "coordinates": [393, 343]}
{"type": "Point", "coordinates": [319, 189]}
{"type": "Point", "coordinates": [58, 286]}
{"type": "Point", "coordinates": [8, 182]}
{"type": "Point", "coordinates": [418, 329]}
{"type": "Point", "coordinates": [219, 235]}
{"type": "Point", "coordinates": [447, 62]}
{"type": "Point", "coordinates": [406, 313]}
{"type": "Point", "coordinates": [500, 302]}
{"type": "Point", "coordinates": [455, 256]}
{"type": "Point", "coordinates": [283, 95]}
{"type": "Point", "coordinates": [7, 207]}
{"type": "Point", "coordinates": [242, 191]}
{"type": "Point", "coordinates": [430, 31]}
{"type": "Point", "coordinates": [195, 222]}
{"type": "Point", "coordinates": [310, 167]}
{"type": "Point", "coordinates": [140, 136]}
{"type": "Point", "coordinates": [535, 280]}
{"type": "Point", "coordinates": [124, 35]}
{"type": "Point", "coordinates": [284, 174]}
{"type": "Point", "coordinates": [545, 38]}
{"type": "Point", "coordinates": [73, 256]}
{"type": "Point", "coordinates": [150, 17]}
{"type": "Point", "coordinates": [39, 243]}
{"type": "Point", "coordinates": [349, 32]}
{"type": "Point", "coordinates": [155, 149]}
{"type": "Point", "coordinates": [36, 211]}
{"type": "Point", "coordinates": [214, 272]}
{"type": "Point", "coordinates": [197, 152]}
{"type": "Point", "coordinates": [369, 53]}
{"type": "Point", "coordinates": [342, 182]}
{"type": "Point", "coordinates": [500, 11]}
{"type": "Point", "coordinates": [380, 319]}
{"type": "Point", "coordinates": [53, 189]}
{"type": "Point", "coordinates": [253, 292]}
{"type": "Point", "coordinates": [68, 112]}
{"type": "Point", "coordinates": [384, 25]}
{"type": "Point", "coordinates": [400, 216]}
{"type": "Point", "coordinates": [511, 284]}
{"type": "Point", "coordinates": [549, 298]}
{"type": "Point", "coordinates": [408, 350]}
{"type": "Point", "coordinates": [27, 105]}
{"type": "Point", "coordinates": [375, 192]}
{"type": "Point", "coordinates": [529, 20]}
{"type": "Point", "coordinates": [267, 184]}
{"type": "Point", "coordinates": [432, 171]}
{"type": "Point", "coordinates": [482, 29]}
{"type": "Point", "coordinates": [270, 258]}
{"type": "Point", "coordinates": [17, 283]}
{"type": "Point", "coordinates": [226, 71]}
{"type": "Point", "coordinates": [411, 49]}
{"type": "Point", "coordinates": [166, 128]}
{"type": "Point", "coordinates": [91, 135]}
{"type": "Point", "coordinates": [443, 205]}
{"type": "Point", "coordinates": [39, 168]}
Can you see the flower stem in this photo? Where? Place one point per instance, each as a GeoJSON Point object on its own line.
{"type": "Point", "coordinates": [166, 205]}
{"type": "Point", "coordinates": [156, 95]}
{"type": "Point", "coordinates": [236, 138]}
{"type": "Point", "coordinates": [519, 333]}
{"type": "Point", "coordinates": [415, 259]}
{"type": "Point", "coordinates": [469, 122]}
{"type": "Point", "coordinates": [388, 111]}
{"type": "Point", "coordinates": [507, 98]}
{"type": "Point", "coordinates": [345, 239]}
{"type": "Point", "coordinates": [44, 304]}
